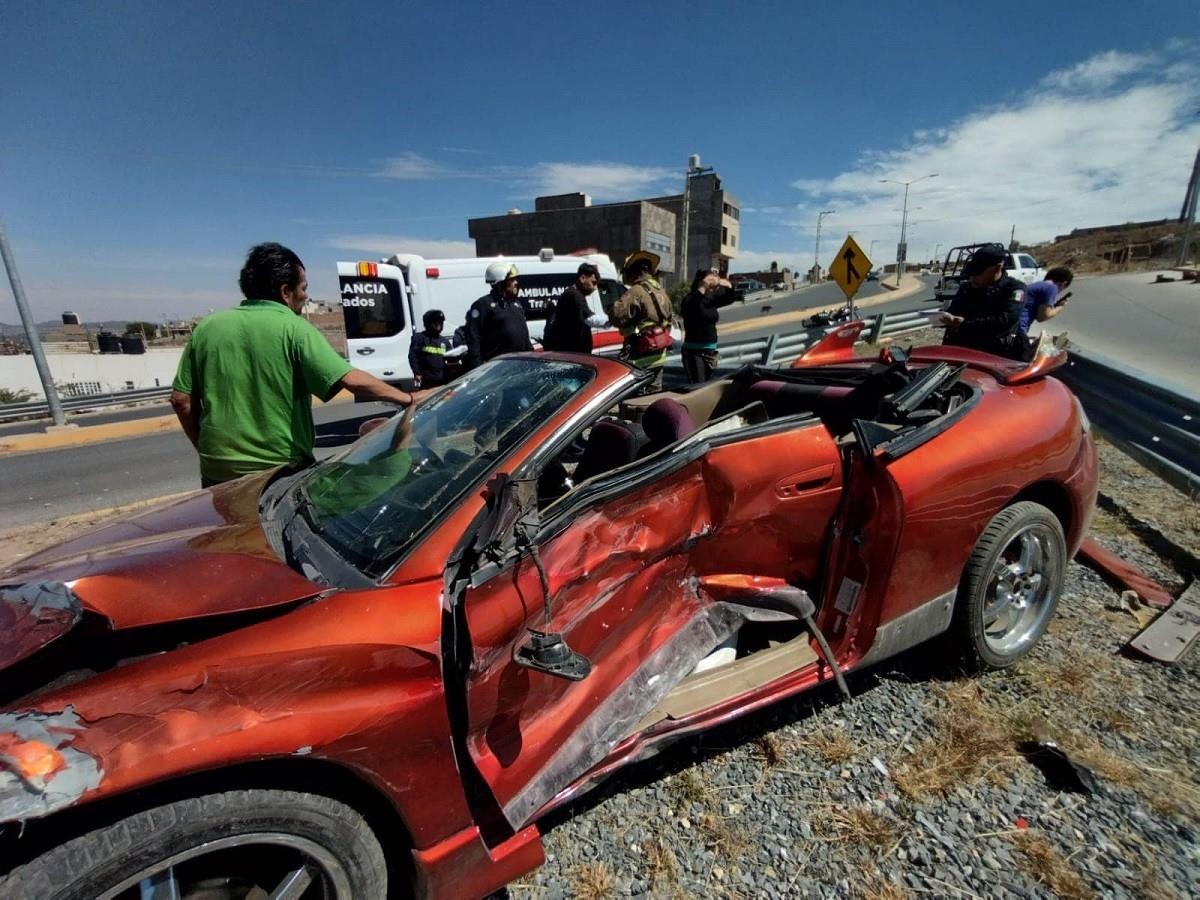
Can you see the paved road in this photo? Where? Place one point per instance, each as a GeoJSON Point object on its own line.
{"type": "Point", "coordinates": [1152, 327]}
{"type": "Point", "coordinates": [36, 487]}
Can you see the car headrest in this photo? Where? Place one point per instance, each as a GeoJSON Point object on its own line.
{"type": "Point", "coordinates": [610, 445]}
{"type": "Point", "coordinates": [667, 421]}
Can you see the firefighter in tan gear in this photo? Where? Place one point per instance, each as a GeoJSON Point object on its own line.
{"type": "Point", "coordinates": [643, 314]}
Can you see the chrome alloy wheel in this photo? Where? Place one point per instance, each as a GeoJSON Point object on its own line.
{"type": "Point", "coordinates": [1018, 598]}
{"type": "Point", "coordinates": [266, 865]}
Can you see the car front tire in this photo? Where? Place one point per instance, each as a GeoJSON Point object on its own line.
{"type": "Point", "coordinates": [227, 845]}
{"type": "Point", "coordinates": [1010, 586]}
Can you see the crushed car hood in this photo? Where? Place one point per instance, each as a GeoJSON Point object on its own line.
{"type": "Point", "coordinates": [203, 555]}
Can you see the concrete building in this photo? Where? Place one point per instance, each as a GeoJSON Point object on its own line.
{"type": "Point", "coordinates": [715, 224]}
{"type": "Point", "coordinates": [571, 223]}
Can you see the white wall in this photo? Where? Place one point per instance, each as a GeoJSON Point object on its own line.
{"type": "Point", "coordinates": [111, 370]}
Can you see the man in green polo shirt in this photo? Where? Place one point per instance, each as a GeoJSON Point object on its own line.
{"type": "Point", "coordinates": [244, 385]}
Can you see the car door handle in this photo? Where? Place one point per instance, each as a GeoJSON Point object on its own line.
{"type": "Point", "coordinates": [365, 351]}
{"type": "Point", "coordinates": [803, 482]}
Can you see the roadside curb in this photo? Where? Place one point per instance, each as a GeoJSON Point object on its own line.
{"type": "Point", "coordinates": [111, 431]}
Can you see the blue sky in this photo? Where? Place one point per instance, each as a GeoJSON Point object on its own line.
{"type": "Point", "coordinates": [147, 145]}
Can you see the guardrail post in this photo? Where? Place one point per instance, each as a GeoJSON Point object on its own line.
{"type": "Point", "coordinates": [769, 350]}
{"type": "Point", "coordinates": [876, 328]}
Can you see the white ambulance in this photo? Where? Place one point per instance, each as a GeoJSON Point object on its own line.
{"type": "Point", "coordinates": [383, 303]}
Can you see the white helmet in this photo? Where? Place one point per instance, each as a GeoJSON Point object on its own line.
{"type": "Point", "coordinates": [500, 271]}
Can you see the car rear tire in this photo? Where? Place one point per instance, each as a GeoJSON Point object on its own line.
{"type": "Point", "coordinates": [1010, 586]}
{"type": "Point", "coordinates": [228, 845]}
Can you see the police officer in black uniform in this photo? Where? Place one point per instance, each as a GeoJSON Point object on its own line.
{"type": "Point", "coordinates": [985, 314]}
{"type": "Point", "coordinates": [496, 322]}
{"type": "Point", "coordinates": [427, 353]}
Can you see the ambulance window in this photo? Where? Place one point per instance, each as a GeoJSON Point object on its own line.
{"type": "Point", "coordinates": [371, 307]}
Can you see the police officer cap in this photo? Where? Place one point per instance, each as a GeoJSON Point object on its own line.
{"type": "Point", "coordinates": [984, 258]}
{"type": "Point", "coordinates": [433, 315]}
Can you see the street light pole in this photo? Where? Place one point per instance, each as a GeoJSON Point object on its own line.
{"type": "Point", "coordinates": [817, 250]}
{"type": "Point", "coordinates": [901, 249]}
{"type": "Point", "coordinates": [35, 343]}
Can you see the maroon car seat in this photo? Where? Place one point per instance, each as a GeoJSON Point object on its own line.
{"type": "Point", "coordinates": [665, 421]}
{"type": "Point", "coordinates": [610, 445]}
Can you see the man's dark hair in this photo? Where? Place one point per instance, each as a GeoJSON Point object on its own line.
{"type": "Point", "coordinates": [268, 268]}
{"type": "Point", "coordinates": [1060, 274]}
{"type": "Point", "coordinates": [698, 280]}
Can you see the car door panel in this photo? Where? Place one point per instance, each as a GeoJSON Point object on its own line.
{"type": "Point", "coordinates": [624, 576]}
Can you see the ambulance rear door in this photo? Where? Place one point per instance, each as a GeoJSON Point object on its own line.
{"type": "Point", "coordinates": [377, 311]}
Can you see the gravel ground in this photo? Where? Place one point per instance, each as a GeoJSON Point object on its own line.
{"type": "Point", "coordinates": [917, 786]}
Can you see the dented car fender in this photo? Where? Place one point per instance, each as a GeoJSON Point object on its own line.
{"type": "Point", "coordinates": [344, 679]}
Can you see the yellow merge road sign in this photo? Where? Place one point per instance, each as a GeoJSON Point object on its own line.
{"type": "Point", "coordinates": [850, 267]}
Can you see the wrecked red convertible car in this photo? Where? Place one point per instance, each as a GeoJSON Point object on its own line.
{"type": "Point", "coordinates": [374, 677]}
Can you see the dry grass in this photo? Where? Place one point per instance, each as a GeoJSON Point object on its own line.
{"type": "Point", "coordinates": [721, 837]}
{"type": "Point", "coordinates": [771, 750]}
{"type": "Point", "coordinates": [1042, 862]}
{"type": "Point", "coordinates": [873, 886]}
{"type": "Point", "coordinates": [832, 745]}
{"type": "Point", "coordinates": [858, 825]}
{"type": "Point", "coordinates": [1152, 886]}
{"type": "Point", "coordinates": [1107, 525]}
{"type": "Point", "coordinates": [971, 740]}
{"type": "Point", "coordinates": [690, 786]}
{"type": "Point", "coordinates": [662, 866]}
{"type": "Point", "coordinates": [593, 881]}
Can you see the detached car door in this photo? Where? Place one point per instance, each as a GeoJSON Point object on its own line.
{"type": "Point", "coordinates": [623, 562]}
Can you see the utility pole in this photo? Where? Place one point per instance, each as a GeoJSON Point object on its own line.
{"type": "Point", "coordinates": [817, 251]}
{"type": "Point", "coordinates": [902, 249]}
{"type": "Point", "coordinates": [35, 343]}
{"type": "Point", "coordinates": [1012, 236]}
{"type": "Point", "coordinates": [1188, 213]}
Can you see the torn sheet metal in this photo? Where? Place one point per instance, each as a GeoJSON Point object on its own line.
{"type": "Point", "coordinates": [1169, 637]}
{"type": "Point", "coordinates": [33, 615]}
{"type": "Point", "coordinates": [40, 771]}
{"type": "Point", "coordinates": [1123, 574]}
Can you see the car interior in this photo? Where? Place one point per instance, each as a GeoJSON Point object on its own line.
{"type": "Point", "coordinates": [889, 395]}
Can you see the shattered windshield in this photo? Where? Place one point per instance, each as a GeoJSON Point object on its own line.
{"type": "Point", "coordinates": [370, 502]}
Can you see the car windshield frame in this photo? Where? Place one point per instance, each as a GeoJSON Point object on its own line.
{"type": "Point", "coordinates": [374, 501]}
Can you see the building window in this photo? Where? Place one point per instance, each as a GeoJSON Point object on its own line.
{"type": "Point", "coordinates": [731, 211]}
{"type": "Point", "coordinates": [724, 235]}
{"type": "Point", "coordinates": [659, 243]}
{"type": "Point", "coordinates": [733, 241]}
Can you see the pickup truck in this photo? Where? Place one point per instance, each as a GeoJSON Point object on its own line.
{"type": "Point", "coordinates": [1018, 265]}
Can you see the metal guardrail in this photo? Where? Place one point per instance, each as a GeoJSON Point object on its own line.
{"type": "Point", "coordinates": [1148, 420]}
{"type": "Point", "coordinates": [12, 412]}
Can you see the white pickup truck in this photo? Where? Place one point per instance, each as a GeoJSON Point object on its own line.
{"type": "Point", "coordinates": [1018, 265]}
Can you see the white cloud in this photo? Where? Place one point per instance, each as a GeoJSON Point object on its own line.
{"type": "Point", "coordinates": [604, 180]}
{"type": "Point", "coordinates": [1100, 71]}
{"type": "Point", "coordinates": [387, 244]}
{"type": "Point", "coordinates": [414, 167]}
{"type": "Point", "coordinates": [1111, 139]}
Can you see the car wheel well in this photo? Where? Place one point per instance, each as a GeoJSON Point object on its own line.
{"type": "Point", "coordinates": [22, 842]}
{"type": "Point", "coordinates": [1054, 497]}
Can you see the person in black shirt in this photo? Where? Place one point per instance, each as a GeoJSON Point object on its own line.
{"type": "Point", "coordinates": [427, 353]}
{"type": "Point", "coordinates": [570, 326]}
{"type": "Point", "coordinates": [496, 322]}
{"type": "Point", "coordinates": [985, 314]}
{"type": "Point", "coordinates": [709, 293]}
